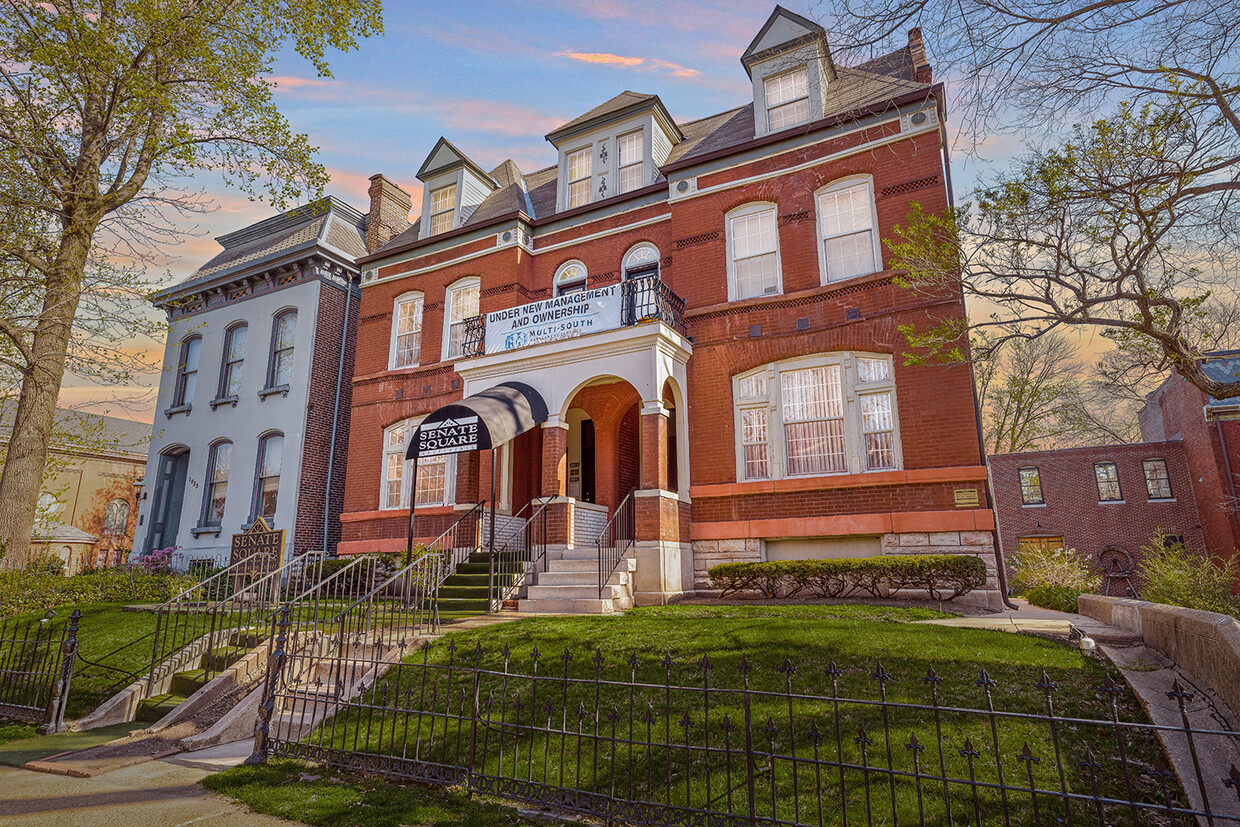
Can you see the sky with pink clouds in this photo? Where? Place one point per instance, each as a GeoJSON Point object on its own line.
{"type": "Point", "coordinates": [493, 78]}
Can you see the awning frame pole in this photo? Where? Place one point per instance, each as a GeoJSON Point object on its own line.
{"type": "Point", "coordinates": [491, 539]}
{"type": "Point", "coordinates": [413, 501]}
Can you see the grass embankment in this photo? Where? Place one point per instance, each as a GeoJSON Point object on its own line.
{"type": "Point", "coordinates": [312, 795]}
{"type": "Point", "coordinates": [579, 712]}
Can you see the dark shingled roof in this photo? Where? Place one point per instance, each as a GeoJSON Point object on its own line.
{"type": "Point", "coordinates": [882, 79]}
{"type": "Point", "coordinates": [78, 430]}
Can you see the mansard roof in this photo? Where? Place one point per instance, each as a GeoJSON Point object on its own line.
{"type": "Point", "coordinates": [870, 85]}
{"type": "Point", "coordinates": [328, 223]}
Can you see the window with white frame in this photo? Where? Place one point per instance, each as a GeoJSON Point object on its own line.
{"type": "Point", "coordinates": [462, 305]}
{"type": "Point", "coordinates": [443, 208]}
{"type": "Point", "coordinates": [787, 99]}
{"type": "Point", "coordinates": [187, 371]}
{"type": "Point", "coordinates": [267, 487]}
{"type": "Point", "coordinates": [579, 171]}
{"type": "Point", "coordinates": [642, 260]}
{"type": "Point", "coordinates": [570, 278]}
{"type": "Point", "coordinates": [406, 346]}
{"type": "Point", "coordinates": [831, 413]}
{"type": "Point", "coordinates": [846, 225]}
{"type": "Point", "coordinates": [283, 340]}
{"type": "Point", "coordinates": [234, 356]}
{"type": "Point", "coordinates": [436, 475]}
{"type": "Point", "coordinates": [631, 158]}
{"type": "Point", "coordinates": [753, 248]}
{"type": "Point", "coordinates": [219, 465]}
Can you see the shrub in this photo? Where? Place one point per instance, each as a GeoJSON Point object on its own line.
{"type": "Point", "coordinates": [1178, 577]}
{"type": "Point", "coordinates": [1059, 598]}
{"type": "Point", "coordinates": [359, 580]}
{"type": "Point", "coordinates": [1059, 567]}
{"type": "Point", "coordinates": [942, 576]}
{"type": "Point", "coordinates": [22, 591]}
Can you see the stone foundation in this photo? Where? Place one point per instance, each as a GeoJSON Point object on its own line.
{"type": "Point", "coordinates": [710, 553]}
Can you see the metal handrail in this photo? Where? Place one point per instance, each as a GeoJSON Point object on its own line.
{"type": "Point", "coordinates": [493, 585]}
{"type": "Point", "coordinates": [624, 518]}
{"type": "Point", "coordinates": [379, 588]}
{"type": "Point", "coordinates": [452, 560]}
{"type": "Point", "coordinates": [223, 573]}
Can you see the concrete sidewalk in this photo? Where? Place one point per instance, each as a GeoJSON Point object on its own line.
{"type": "Point", "coordinates": [1038, 621]}
{"type": "Point", "coordinates": [163, 793]}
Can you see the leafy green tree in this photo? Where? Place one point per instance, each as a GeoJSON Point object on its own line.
{"type": "Point", "coordinates": [103, 106]}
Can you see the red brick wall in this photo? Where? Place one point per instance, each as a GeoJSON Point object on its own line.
{"type": "Point", "coordinates": [330, 325]}
{"type": "Point", "coordinates": [1072, 510]}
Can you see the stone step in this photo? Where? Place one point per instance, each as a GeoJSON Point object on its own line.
{"type": "Point", "coordinates": [590, 564]}
{"type": "Point", "coordinates": [155, 707]}
{"type": "Point", "coordinates": [580, 578]}
{"type": "Point", "coordinates": [574, 592]}
{"type": "Point", "coordinates": [571, 605]}
{"type": "Point", "coordinates": [187, 683]}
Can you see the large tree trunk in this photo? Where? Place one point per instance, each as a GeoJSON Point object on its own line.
{"type": "Point", "coordinates": [22, 479]}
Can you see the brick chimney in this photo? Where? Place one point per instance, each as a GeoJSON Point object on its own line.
{"type": "Point", "coordinates": [389, 212]}
{"type": "Point", "coordinates": [917, 51]}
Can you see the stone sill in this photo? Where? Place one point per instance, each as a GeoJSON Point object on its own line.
{"type": "Point", "coordinates": [280, 389]}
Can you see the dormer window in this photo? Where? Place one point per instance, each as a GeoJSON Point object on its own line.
{"type": "Point", "coordinates": [579, 172]}
{"type": "Point", "coordinates": [787, 99]}
{"type": "Point", "coordinates": [443, 208]}
{"type": "Point", "coordinates": [630, 155]}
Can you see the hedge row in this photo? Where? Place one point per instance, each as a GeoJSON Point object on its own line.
{"type": "Point", "coordinates": [943, 576]}
{"type": "Point", "coordinates": [29, 591]}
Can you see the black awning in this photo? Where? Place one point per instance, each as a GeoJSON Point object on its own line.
{"type": "Point", "coordinates": [479, 422]}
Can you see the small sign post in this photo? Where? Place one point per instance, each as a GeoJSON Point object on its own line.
{"type": "Point", "coordinates": [260, 547]}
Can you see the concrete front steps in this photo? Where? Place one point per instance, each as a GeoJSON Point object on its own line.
{"type": "Point", "coordinates": [570, 585]}
{"type": "Point", "coordinates": [187, 682]}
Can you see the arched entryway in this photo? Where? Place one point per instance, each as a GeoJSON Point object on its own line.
{"type": "Point", "coordinates": [603, 442]}
{"type": "Point", "coordinates": [169, 498]}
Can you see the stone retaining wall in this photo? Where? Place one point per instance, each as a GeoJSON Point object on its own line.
{"type": "Point", "coordinates": [1205, 644]}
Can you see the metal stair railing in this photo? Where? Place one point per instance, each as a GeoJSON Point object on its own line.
{"type": "Point", "coordinates": [521, 555]}
{"type": "Point", "coordinates": [615, 540]}
{"type": "Point", "coordinates": [192, 623]}
{"type": "Point", "coordinates": [459, 542]}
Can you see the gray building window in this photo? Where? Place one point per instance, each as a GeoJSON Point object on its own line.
{"type": "Point", "coordinates": [234, 355]}
{"type": "Point", "coordinates": [283, 337]}
{"type": "Point", "coordinates": [218, 467]}
{"type": "Point", "coordinates": [270, 460]}
{"type": "Point", "coordinates": [1107, 477]}
{"type": "Point", "coordinates": [187, 371]}
{"type": "Point", "coordinates": [1030, 486]}
{"type": "Point", "coordinates": [1157, 480]}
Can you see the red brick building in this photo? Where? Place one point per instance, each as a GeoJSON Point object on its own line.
{"type": "Point", "coordinates": [1097, 500]}
{"type": "Point", "coordinates": [705, 311]}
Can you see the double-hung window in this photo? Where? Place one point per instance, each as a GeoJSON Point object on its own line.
{"type": "Point", "coordinates": [1157, 480]}
{"type": "Point", "coordinates": [787, 99]}
{"type": "Point", "coordinates": [436, 475]}
{"type": "Point", "coordinates": [462, 306]}
{"type": "Point", "coordinates": [443, 209]}
{"type": "Point", "coordinates": [267, 489]}
{"type": "Point", "coordinates": [828, 414]}
{"type": "Point", "coordinates": [579, 172]}
{"type": "Point", "coordinates": [219, 464]}
{"type": "Point", "coordinates": [846, 224]}
{"type": "Point", "coordinates": [753, 252]}
{"type": "Point", "coordinates": [631, 160]}
{"type": "Point", "coordinates": [1030, 486]}
{"type": "Point", "coordinates": [406, 346]}
{"type": "Point", "coordinates": [283, 338]}
{"type": "Point", "coordinates": [234, 355]}
{"type": "Point", "coordinates": [1107, 477]}
{"type": "Point", "coordinates": [187, 372]}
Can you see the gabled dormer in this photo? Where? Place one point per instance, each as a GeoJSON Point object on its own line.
{"type": "Point", "coordinates": [453, 187]}
{"type": "Point", "coordinates": [613, 149]}
{"type": "Point", "coordinates": [790, 66]}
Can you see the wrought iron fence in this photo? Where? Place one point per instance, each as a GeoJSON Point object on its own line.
{"type": "Point", "coordinates": [522, 555]}
{"type": "Point", "coordinates": [37, 657]}
{"type": "Point", "coordinates": [661, 742]}
{"type": "Point", "coordinates": [616, 540]}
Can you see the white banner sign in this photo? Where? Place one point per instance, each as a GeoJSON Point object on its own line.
{"type": "Point", "coordinates": [450, 436]}
{"type": "Point", "coordinates": [587, 311]}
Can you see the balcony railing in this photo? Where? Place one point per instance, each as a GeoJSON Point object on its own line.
{"type": "Point", "coordinates": [643, 299]}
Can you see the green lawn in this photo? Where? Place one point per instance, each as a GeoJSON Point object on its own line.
{"type": "Point", "coordinates": [311, 795]}
{"type": "Point", "coordinates": [580, 752]}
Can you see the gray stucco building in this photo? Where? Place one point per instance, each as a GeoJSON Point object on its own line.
{"type": "Point", "coordinates": [252, 417]}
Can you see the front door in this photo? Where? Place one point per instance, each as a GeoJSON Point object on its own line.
{"type": "Point", "coordinates": [169, 497]}
{"type": "Point", "coordinates": [589, 489]}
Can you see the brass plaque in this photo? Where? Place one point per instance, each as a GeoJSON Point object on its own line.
{"type": "Point", "coordinates": [966, 497]}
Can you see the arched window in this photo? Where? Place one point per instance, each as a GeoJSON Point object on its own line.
{"type": "Point", "coordinates": [641, 260]}
{"type": "Point", "coordinates": [436, 475]}
{"type": "Point", "coordinates": [219, 465]}
{"type": "Point", "coordinates": [267, 487]}
{"type": "Point", "coordinates": [283, 338]}
{"type": "Point", "coordinates": [187, 371]}
{"type": "Point", "coordinates": [847, 225]}
{"type": "Point", "coordinates": [461, 305]}
{"type": "Point", "coordinates": [234, 355]}
{"type": "Point", "coordinates": [753, 252]}
{"type": "Point", "coordinates": [570, 278]}
{"type": "Point", "coordinates": [406, 345]}
{"type": "Point", "coordinates": [116, 518]}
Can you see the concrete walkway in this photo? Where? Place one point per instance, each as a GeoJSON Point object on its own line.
{"type": "Point", "coordinates": [159, 793]}
{"type": "Point", "coordinates": [1034, 620]}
